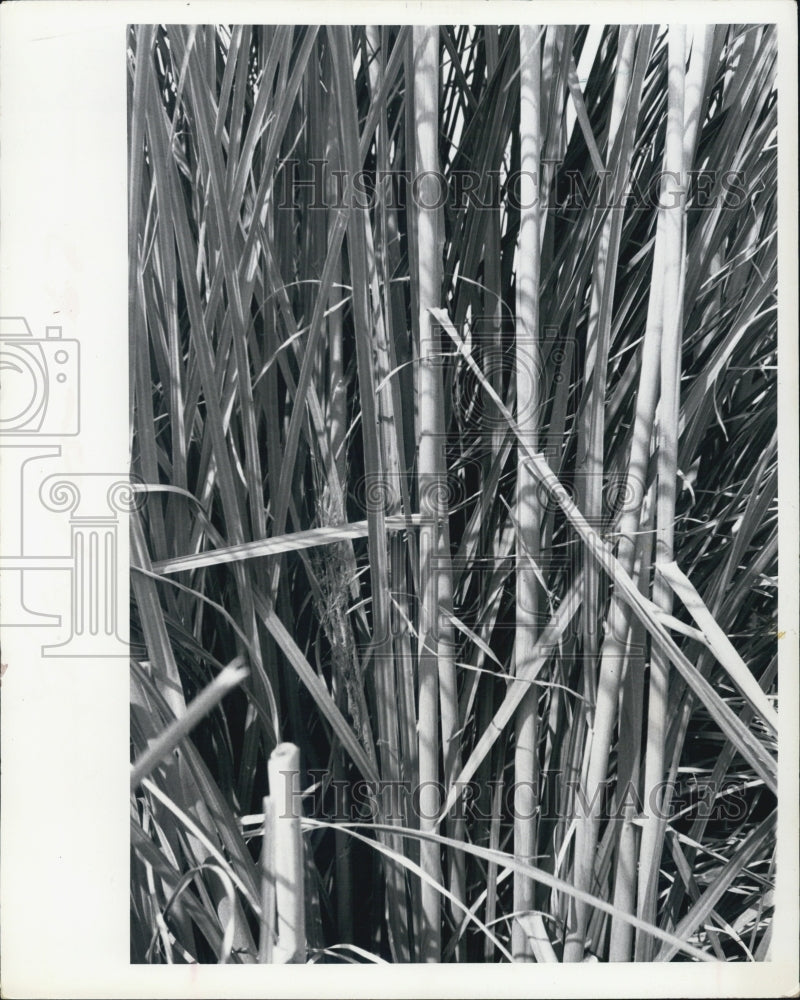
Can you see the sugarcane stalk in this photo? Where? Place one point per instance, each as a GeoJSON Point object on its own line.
{"type": "Point", "coordinates": [283, 770]}
{"type": "Point", "coordinates": [627, 92]}
{"type": "Point", "coordinates": [528, 513]}
{"type": "Point", "coordinates": [649, 856]}
{"type": "Point", "coordinates": [426, 100]}
{"type": "Point", "coordinates": [266, 942]}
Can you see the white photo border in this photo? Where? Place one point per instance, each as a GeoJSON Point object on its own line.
{"type": "Point", "coordinates": [64, 262]}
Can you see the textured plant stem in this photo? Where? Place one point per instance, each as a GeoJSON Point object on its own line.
{"type": "Point", "coordinates": [624, 115]}
{"type": "Point", "coordinates": [528, 514]}
{"type": "Point", "coordinates": [425, 41]}
{"type": "Point", "coordinates": [284, 775]}
{"type": "Point", "coordinates": [649, 857]}
{"type": "Point", "coordinates": [266, 941]}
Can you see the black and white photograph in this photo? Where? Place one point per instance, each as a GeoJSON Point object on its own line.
{"type": "Point", "coordinates": [440, 584]}
{"type": "Point", "coordinates": [453, 354]}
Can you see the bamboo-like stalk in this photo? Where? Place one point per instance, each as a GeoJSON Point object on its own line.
{"type": "Point", "coordinates": [426, 96]}
{"type": "Point", "coordinates": [627, 92]}
{"type": "Point", "coordinates": [694, 82]}
{"type": "Point", "coordinates": [491, 869]}
{"type": "Point", "coordinates": [266, 941]}
{"type": "Point", "coordinates": [493, 442]}
{"type": "Point", "coordinates": [433, 497]}
{"type": "Point", "coordinates": [649, 856]}
{"type": "Point", "coordinates": [284, 773]}
{"type": "Point", "coordinates": [528, 389]}
{"type": "Point", "coordinates": [492, 260]}
{"type": "Point", "coordinates": [617, 642]}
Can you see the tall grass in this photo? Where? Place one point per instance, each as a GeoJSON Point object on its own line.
{"type": "Point", "coordinates": [469, 495]}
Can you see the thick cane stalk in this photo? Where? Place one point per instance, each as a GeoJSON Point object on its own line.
{"type": "Point", "coordinates": [655, 763]}
{"type": "Point", "coordinates": [528, 513]}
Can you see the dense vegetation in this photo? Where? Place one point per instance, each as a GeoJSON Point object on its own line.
{"type": "Point", "coordinates": [492, 312]}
